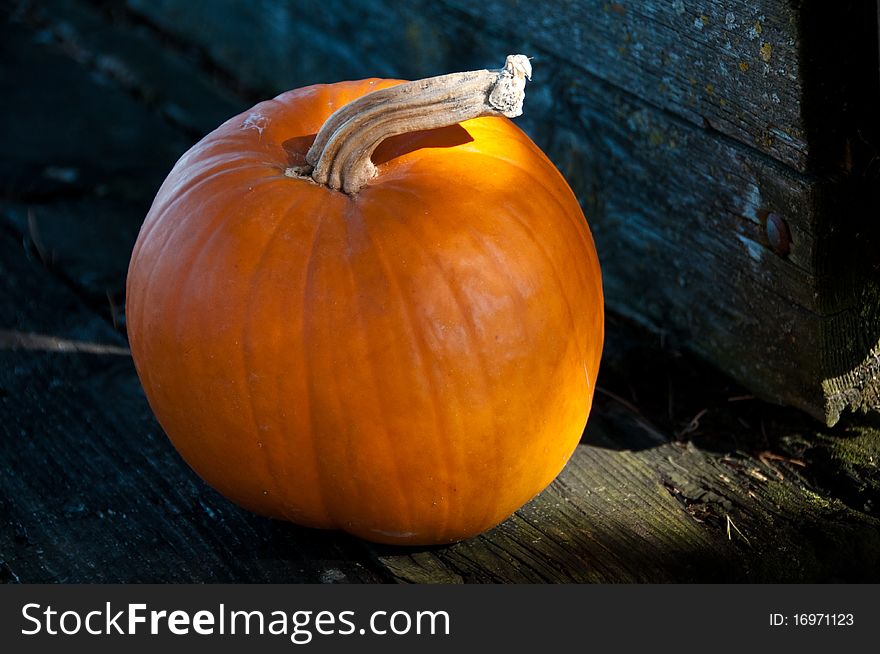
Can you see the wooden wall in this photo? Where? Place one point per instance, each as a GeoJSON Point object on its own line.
{"type": "Point", "coordinates": [724, 152]}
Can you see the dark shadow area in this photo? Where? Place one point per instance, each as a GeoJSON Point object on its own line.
{"type": "Point", "coordinates": [390, 149]}
{"type": "Point", "coordinates": [297, 148]}
{"type": "Point", "coordinates": [840, 68]}
{"type": "Point", "coordinates": [397, 146]}
{"type": "Point", "coordinates": [681, 397]}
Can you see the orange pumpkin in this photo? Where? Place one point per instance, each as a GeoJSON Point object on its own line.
{"type": "Point", "coordinates": [410, 358]}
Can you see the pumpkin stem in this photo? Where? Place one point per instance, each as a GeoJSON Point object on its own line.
{"type": "Point", "coordinates": [340, 155]}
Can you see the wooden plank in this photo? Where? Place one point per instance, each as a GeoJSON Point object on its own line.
{"type": "Point", "coordinates": [660, 514]}
{"type": "Point", "coordinates": [734, 66]}
{"type": "Point", "coordinates": [88, 241]}
{"type": "Point", "coordinates": [851, 335]}
{"type": "Point", "coordinates": [277, 46]}
{"type": "Point", "coordinates": [780, 76]}
{"type": "Point", "coordinates": [771, 74]}
{"type": "Point", "coordinates": [82, 210]}
{"type": "Point", "coordinates": [681, 216]}
{"type": "Point", "coordinates": [76, 189]}
{"type": "Point", "coordinates": [163, 79]}
{"type": "Point", "coordinates": [110, 144]}
{"type": "Point", "coordinates": [588, 528]}
{"type": "Point", "coordinates": [92, 491]}
{"type": "Point", "coordinates": [679, 211]}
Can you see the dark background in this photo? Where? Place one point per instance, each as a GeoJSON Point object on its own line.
{"type": "Point", "coordinates": [683, 473]}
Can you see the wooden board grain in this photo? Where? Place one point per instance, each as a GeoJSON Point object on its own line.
{"type": "Point", "coordinates": [772, 74]}
{"type": "Point", "coordinates": [682, 127]}
{"type": "Point", "coordinates": [109, 144]}
{"type": "Point", "coordinates": [783, 77]}
{"type": "Point", "coordinates": [125, 54]}
{"type": "Point", "coordinates": [732, 65]}
{"type": "Point", "coordinates": [681, 215]}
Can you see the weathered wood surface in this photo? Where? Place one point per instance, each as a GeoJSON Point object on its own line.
{"type": "Point", "coordinates": [776, 75]}
{"type": "Point", "coordinates": [162, 79]}
{"type": "Point", "coordinates": [736, 65]}
{"type": "Point", "coordinates": [115, 111]}
{"type": "Point", "coordinates": [852, 339]}
{"type": "Point", "coordinates": [673, 482]}
{"type": "Point", "coordinates": [34, 166]}
{"type": "Point", "coordinates": [93, 491]}
{"type": "Point", "coordinates": [662, 115]}
{"type": "Point", "coordinates": [681, 216]}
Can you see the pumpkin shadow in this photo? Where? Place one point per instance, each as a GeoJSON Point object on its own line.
{"type": "Point", "coordinates": [648, 394]}
{"type": "Point", "coordinates": [391, 148]}
{"type": "Point", "coordinates": [442, 137]}
{"type": "Point", "coordinates": [296, 149]}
